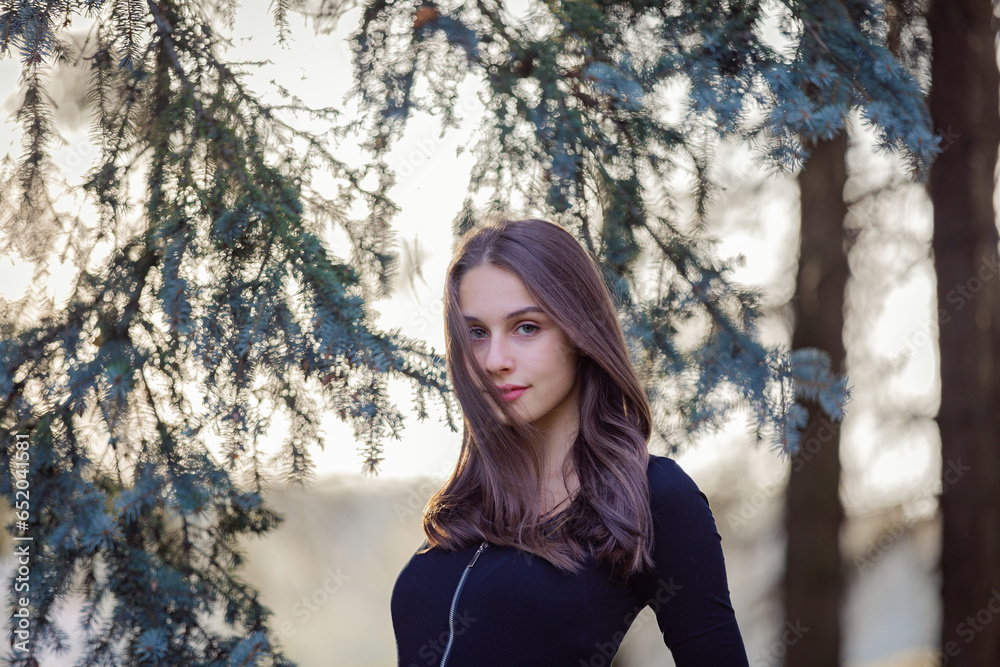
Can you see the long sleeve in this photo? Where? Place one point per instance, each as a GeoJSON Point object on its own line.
{"type": "Point", "coordinates": [512, 608]}
{"type": "Point", "coordinates": [689, 591]}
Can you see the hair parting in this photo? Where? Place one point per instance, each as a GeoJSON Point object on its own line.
{"type": "Point", "coordinates": [494, 491]}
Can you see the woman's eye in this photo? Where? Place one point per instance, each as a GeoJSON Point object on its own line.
{"type": "Point", "coordinates": [527, 329]}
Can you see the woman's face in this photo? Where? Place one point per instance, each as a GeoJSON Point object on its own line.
{"type": "Point", "coordinates": [517, 344]}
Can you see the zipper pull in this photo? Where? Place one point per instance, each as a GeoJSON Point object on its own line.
{"type": "Point", "coordinates": [476, 557]}
{"type": "Point", "coordinates": [454, 600]}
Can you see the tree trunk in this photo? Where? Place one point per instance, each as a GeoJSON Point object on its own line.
{"type": "Point", "coordinates": [813, 582]}
{"type": "Point", "coordinates": [964, 107]}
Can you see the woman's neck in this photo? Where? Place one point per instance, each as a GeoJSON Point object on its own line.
{"type": "Point", "coordinates": [559, 432]}
{"type": "Point", "coordinates": [559, 482]}
{"type": "Point", "coordinates": [558, 492]}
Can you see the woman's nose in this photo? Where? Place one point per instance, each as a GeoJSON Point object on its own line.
{"type": "Point", "coordinates": [498, 355]}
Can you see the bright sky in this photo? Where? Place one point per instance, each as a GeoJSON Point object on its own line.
{"type": "Point", "coordinates": [431, 187]}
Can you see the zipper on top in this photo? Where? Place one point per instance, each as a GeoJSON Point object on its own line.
{"type": "Point", "coordinates": [454, 601]}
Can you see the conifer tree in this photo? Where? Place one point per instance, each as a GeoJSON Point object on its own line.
{"type": "Point", "coordinates": [226, 285]}
{"type": "Point", "coordinates": [967, 263]}
{"type": "Point", "coordinates": [222, 279]}
{"type": "Point", "coordinates": [581, 125]}
{"type": "Point", "coordinates": [813, 582]}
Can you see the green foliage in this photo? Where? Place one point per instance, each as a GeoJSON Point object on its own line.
{"type": "Point", "coordinates": [217, 303]}
{"type": "Point", "coordinates": [224, 309]}
{"type": "Point", "coordinates": [581, 126]}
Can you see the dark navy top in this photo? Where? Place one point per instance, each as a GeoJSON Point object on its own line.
{"type": "Point", "coordinates": [515, 608]}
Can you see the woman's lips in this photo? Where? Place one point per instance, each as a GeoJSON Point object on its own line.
{"type": "Point", "coordinates": [513, 394]}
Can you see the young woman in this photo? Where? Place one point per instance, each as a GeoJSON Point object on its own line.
{"type": "Point", "coordinates": [557, 527]}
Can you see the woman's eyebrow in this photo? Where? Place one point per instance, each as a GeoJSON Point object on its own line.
{"type": "Point", "coordinates": [511, 315]}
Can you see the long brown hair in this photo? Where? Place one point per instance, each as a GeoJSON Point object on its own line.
{"type": "Point", "coordinates": [495, 489]}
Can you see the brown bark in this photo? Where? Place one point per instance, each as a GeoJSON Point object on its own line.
{"type": "Point", "coordinates": [813, 583]}
{"type": "Point", "coordinates": [964, 107]}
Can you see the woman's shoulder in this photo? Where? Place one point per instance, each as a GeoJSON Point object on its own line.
{"type": "Point", "coordinates": [670, 488]}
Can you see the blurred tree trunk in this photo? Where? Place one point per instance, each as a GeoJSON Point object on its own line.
{"type": "Point", "coordinates": [964, 108]}
{"type": "Point", "coordinates": [813, 513]}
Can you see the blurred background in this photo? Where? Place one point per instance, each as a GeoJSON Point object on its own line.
{"type": "Point", "coordinates": [327, 571]}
